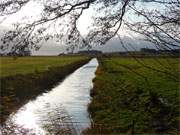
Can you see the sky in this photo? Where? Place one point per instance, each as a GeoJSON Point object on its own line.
{"type": "Point", "coordinates": [33, 10]}
{"type": "Point", "coordinates": [53, 48]}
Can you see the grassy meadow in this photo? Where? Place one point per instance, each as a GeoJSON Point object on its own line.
{"type": "Point", "coordinates": [140, 96]}
{"type": "Point", "coordinates": [23, 78]}
{"type": "Point", "coordinates": [129, 95]}
{"type": "Point", "coordinates": [10, 66]}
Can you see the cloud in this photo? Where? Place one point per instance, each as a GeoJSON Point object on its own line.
{"type": "Point", "coordinates": [52, 48]}
{"type": "Point", "coordinates": [114, 45]}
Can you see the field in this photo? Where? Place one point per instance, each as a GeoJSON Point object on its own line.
{"type": "Point", "coordinates": [129, 95]}
{"type": "Point", "coordinates": [140, 96]}
{"type": "Point", "coordinates": [24, 78]}
{"type": "Point", "coordinates": [10, 66]}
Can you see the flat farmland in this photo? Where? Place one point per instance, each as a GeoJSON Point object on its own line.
{"type": "Point", "coordinates": [139, 95]}
{"type": "Point", "coordinates": [24, 78]}
{"type": "Point", "coordinates": [10, 66]}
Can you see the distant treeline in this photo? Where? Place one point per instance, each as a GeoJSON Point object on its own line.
{"type": "Point", "coordinates": [24, 53]}
{"type": "Point", "coordinates": [143, 51]}
{"type": "Point", "coordinates": [154, 51]}
{"type": "Point", "coordinates": [148, 52]}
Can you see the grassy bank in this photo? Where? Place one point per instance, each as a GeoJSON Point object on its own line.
{"type": "Point", "coordinates": [11, 66]}
{"type": "Point", "coordinates": [26, 77]}
{"type": "Point", "coordinates": [129, 97]}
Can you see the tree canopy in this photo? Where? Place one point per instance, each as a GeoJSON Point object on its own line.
{"type": "Point", "coordinates": [58, 20]}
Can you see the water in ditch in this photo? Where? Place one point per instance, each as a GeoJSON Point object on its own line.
{"type": "Point", "coordinates": [61, 110]}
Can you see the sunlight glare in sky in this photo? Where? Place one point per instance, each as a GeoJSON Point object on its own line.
{"type": "Point", "coordinates": [32, 10]}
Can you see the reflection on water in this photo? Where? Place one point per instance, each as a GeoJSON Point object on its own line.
{"type": "Point", "coordinates": [66, 103]}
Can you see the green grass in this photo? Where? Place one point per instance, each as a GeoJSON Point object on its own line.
{"type": "Point", "coordinates": [10, 66]}
{"type": "Point", "coordinates": [24, 78]}
{"type": "Point", "coordinates": [128, 96]}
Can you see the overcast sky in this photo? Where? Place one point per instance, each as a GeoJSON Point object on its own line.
{"type": "Point", "coordinates": [52, 48]}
